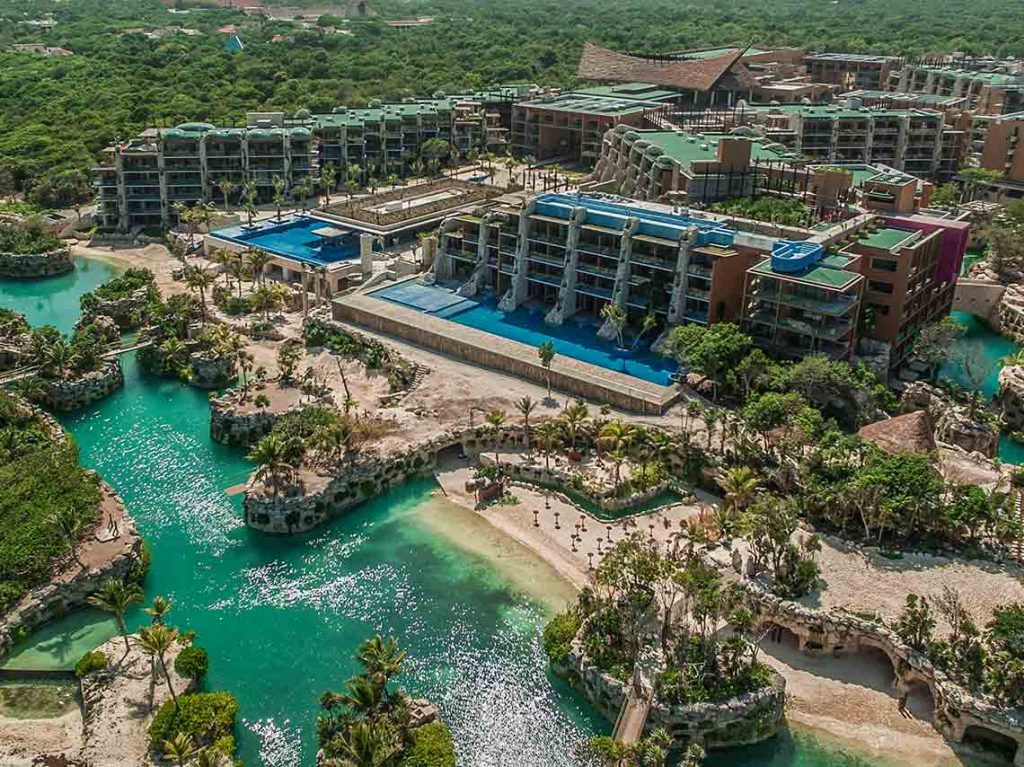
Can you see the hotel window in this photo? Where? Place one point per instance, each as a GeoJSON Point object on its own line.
{"type": "Point", "coordinates": [884, 264]}
{"type": "Point", "coordinates": [880, 287]}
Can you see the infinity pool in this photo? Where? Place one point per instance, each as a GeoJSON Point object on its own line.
{"type": "Point", "coordinates": [294, 238]}
{"type": "Point", "coordinates": [575, 339]}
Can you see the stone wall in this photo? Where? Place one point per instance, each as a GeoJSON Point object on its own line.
{"type": "Point", "coordinates": [1011, 396]}
{"type": "Point", "coordinates": [81, 392]}
{"type": "Point", "coordinates": [211, 370]}
{"type": "Point", "coordinates": [27, 266]}
{"type": "Point", "coordinates": [229, 426]}
{"type": "Point", "coordinates": [55, 600]}
{"type": "Point", "coordinates": [837, 631]}
{"type": "Point", "coordinates": [121, 310]}
{"type": "Point", "coordinates": [604, 499]}
{"type": "Point", "coordinates": [982, 298]}
{"type": "Point", "coordinates": [296, 510]}
{"type": "Point", "coordinates": [953, 424]}
{"type": "Point", "coordinates": [1010, 315]}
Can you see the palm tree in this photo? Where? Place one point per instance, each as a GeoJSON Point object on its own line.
{"type": "Point", "coordinates": [381, 658]}
{"type": "Point", "coordinates": [740, 485]}
{"type": "Point", "coordinates": [66, 523]}
{"type": "Point", "coordinates": [155, 641]}
{"type": "Point", "coordinates": [365, 744]}
{"type": "Point", "coordinates": [573, 419]}
{"type": "Point", "coordinates": [278, 195]}
{"type": "Point", "coordinates": [546, 353]}
{"type": "Point", "coordinates": [615, 316]}
{"type": "Point", "coordinates": [250, 193]}
{"type": "Point", "coordinates": [526, 406]}
{"type": "Point", "coordinates": [617, 457]}
{"type": "Point", "coordinates": [226, 187]}
{"type": "Point", "coordinates": [496, 418]}
{"type": "Point", "coordinates": [159, 609]}
{"type": "Point", "coordinates": [257, 261]}
{"type": "Point", "coordinates": [211, 757]}
{"type": "Point", "coordinates": [179, 749]}
{"type": "Point", "coordinates": [57, 358]}
{"type": "Point", "coordinates": [328, 178]}
{"type": "Point", "coordinates": [549, 437]}
{"type": "Point", "coordinates": [272, 456]}
{"type": "Point", "coordinates": [199, 279]}
{"type": "Point", "coordinates": [116, 596]}
{"type": "Point", "coordinates": [268, 298]}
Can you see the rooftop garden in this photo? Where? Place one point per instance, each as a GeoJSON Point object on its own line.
{"type": "Point", "coordinates": [47, 501]}
{"type": "Point", "coordinates": [27, 239]}
{"type": "Point", "coordinates": [775, 210]}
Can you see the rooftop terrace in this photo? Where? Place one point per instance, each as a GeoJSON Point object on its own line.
{"type": "Point", "coordinates": [688, 148]}
{"type": "Point", "coordinates": [598, 103]}
{"type": "Point", "coordinates": [886, 238]}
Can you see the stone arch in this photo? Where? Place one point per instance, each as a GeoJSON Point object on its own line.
{"type": "Point", "coordinates": [992, 742]}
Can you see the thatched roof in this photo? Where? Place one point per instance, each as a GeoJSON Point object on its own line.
{"type": "Point", "coordinates": [909, 433]}
{"type": "Point", "coordinates": [696, 74]}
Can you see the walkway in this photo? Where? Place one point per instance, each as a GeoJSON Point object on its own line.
{"type": "Point", "coordinates": [20, 374]}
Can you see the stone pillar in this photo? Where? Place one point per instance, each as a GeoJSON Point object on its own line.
{"type": "Point", "coordinates": [516, 292]}
{"type": "Point", "coordinates": [366, 254]}
{"type": "Point", "coordinates": [429, 254]}
{"type": "Point", "coordinates": [681, 280]}
{"type": "Point", "coordinates": [565, 306]}
{"type": "Point", "coordinates": [620, 293]}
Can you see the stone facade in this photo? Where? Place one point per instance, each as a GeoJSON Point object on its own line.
{"type": "Point", "coordinates": [1011, 396]}
{"type": "Point", "coordinates": [296, 510]}
{"type": "Point", "coordinates": [1010, 313]}
{"type": "Point", "coordinates": [211, 370]}
{"type": "Point", "coordinates": [28, 266]}
{"type": "Point", "coordinates": [54, 600]}
{"type": "Point", "coordinates": [81, 392]}
{"type": "Point", "coordinates": [834, 632]}
{"type": "Point", "coordinates": [122, 310]}
{"type": "Point", "coordinates": [229, 426]}
{"type": "Point", "coordinates": [953, 425]}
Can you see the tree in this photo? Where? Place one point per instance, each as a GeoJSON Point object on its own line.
{"type": "Point", "coordinates": [945, 196]}
{"type": "Point", "coordinates": [770, 411]}
{"type": "Point", "coordinates": [199, 280]}
{"type": "Point", "coordinates": [496, 418]}
{"type": "Point", "coordinates": [976, 179]}
{"type": "Point", "coordinates": [279, 185]}
{"type": "Point", "coordinates": [116, 597]}
{"type": "Point", "coordinates": [615, 316]}
{"type": "Point", "coordinates": [288, 356]}
{"type": "Point", "coordinates": [70, 525]}
{"type": "Point", "coordinates": [712, 352]}
{"type": "Point", "coordinates": [647, 324]}
{"type": "Point", "coordinates": [740, 485]}
{"type": "Point", "coordinates": [159, 609]}
{"type": "Point", "coordinates": [934, 343]}
{"type": "Point", "coordinates": [546, 354]}
{"type": "Point", "coordinates": [381, 658]}
{"type": "Point", "coordinates": [180, 748]}
{"type": "Point", "coordinates": [257, 259]}
{"type": "Point", "coordinates": [328, 179]}
{"type": "Point", "coordinates": [155, 641]}
{"type": "Point", "coordinates": [269, 298]}
{"type": "Point", "coordinates": [549, 437]}
{"type": "Point", "coordinates": [273, 456]}
{"type": "Point", "coordinates": [916, 624]}
{"type": "Point", "coordinates": [250, 192]}
{"type": "Point", "coordinates": [226, 187]}
{"type": "Point", "coordinates": [526, 406]}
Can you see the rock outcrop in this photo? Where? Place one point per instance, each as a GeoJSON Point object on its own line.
{"type": "Point", "coordinates": [77, 393]}
{"type": "Point", "coordinates": [29, 266]}
{"type": "Point", "coordinates": [952, 422]}
{"type": "Point", "coordinates": [1011, 396]}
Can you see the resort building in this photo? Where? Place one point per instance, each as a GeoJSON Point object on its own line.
{"type": "Point", "coordinates": [695, 167]}
{"type": "Point", "coordinates": [143, 181]}
{"type": "Point", "coordinates": [870, 296]}
{"type": "Point", "coordinates": [916, 141]}
{"type": "Point", "coordinates": [997, 145]}
{"type": "Point", "coordinates": [701, 79]}
{"type": "Point", "coordinates": [851, 70]}
{"type": "Point", "coordinates": [571, 125]}
{"type": "Point", "coordinates": [948, 105]}
{"type": "Point", "coordinates": [985, 92]}
{"type": "Point", "coordinates": [573, 255]}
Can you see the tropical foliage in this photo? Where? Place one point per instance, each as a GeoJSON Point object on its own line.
{"type": "Point", "coordinates": [26, 239]}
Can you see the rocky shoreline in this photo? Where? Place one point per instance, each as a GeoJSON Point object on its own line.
{"type": "Point", "coordinates": [78, 393]}
{"type": "Point", "coordinates": [31, 266]}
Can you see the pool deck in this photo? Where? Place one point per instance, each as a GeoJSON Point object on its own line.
{"type": "Point", "coordinates": [488, 350]}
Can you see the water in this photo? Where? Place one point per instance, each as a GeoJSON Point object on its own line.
{"type": "Point", "coordinates": [294, 238]}
{"type": "Point", "coordinates": [987, 348]}
{"type": "Point", "coordinates": [54, 301]}
{"type": "Point", "coordinates": [574, 339]}
{"type": "Point", "coordinates": [58, 646]}
{"type": "Point", "coordinates": [282, 617]}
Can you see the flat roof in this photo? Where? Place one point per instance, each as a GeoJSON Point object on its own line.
{"type": "Point", "coordinates": [833, 111]}
{"type": "Point", "coordinates": [860, 58]}
{"type": "Point", "coordinates": [817, 275]}
{"type": "Point", "coordinates": [688, 148]}
{"type": "Point", "coordinates": [633, 91]}
{"type": "Point", "coordinates": [932, 99]}
{"type": "Point", "coordinates": [593, 103]}
{"type": "Point", "coordinates": [886, 238]}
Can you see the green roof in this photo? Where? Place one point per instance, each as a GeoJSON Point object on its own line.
{"type": "Point", "coordinates": [835, 112]}
{"type": "Point", "coordinates": [593, 103]}
{"type": "Point", "coordinates": [631, 92]}
{"type": "Point", "coordinates": [886, 238]}
{"type": "Point", "coordinates": [688, 148]}
{"type": "Point", "coordinates": [818, 275]}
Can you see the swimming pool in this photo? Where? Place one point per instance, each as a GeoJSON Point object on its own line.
{"type": "Point", "coordinates": [294, 238]}
{"type": "Point", "coordinates": [576, 339]}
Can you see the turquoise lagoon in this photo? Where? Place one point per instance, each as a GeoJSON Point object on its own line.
{"type": "Point", "coordinates": [282, 617]}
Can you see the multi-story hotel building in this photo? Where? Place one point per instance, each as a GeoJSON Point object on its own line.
{"type": "Point", "coordinates": [576, 254]}
{"type": "Point", "coordinates": [883, 286]}
{"type": "Point", "coordinates": [850, 70]}
{"type": "Point", "coordinates": [998, 145]}
{"type": "Point", "coordinates": [985, 92]}
{"type": "Point", "coordinates": [143, 181]}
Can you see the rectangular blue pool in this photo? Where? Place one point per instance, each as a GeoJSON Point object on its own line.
{"type": "Point", "coordinates": [575, 339]}
{"type": "Point", "coordinates": [293, 238]}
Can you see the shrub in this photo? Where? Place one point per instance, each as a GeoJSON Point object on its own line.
{"type": "Point", "coordinates": [192, 662]}
{"type": "Point", "coordinates": [90, 662]}
{"type": "Point", "coordinates": [559, 633]}
{"type": "Point", "coordinates": [209, 717]}
{"type": "Point", "coordinates": [432, 746]}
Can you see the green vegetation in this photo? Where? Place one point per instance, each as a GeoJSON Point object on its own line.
{"type": "Point", "coordinates": [91, 662]}
{"type": "Point", "coordinates": [650, 751]}
{"type": "Point", "coordinates": [776, 210]}
{"type": "Point", "coordinates": [559, 633]}
{"type": "Point", "coordinates": [192, 663]}
{"type": "Point", "coordinates": [989, 662]}
{"type": "Point", "coordinates": [207, 717]}
{"type": "Point", "coordinates": [369, 722]}
{"type": "Point", "coordinates": [61, 357]}
{"type": "Point", "coordinates": [373, 354]}
{"type": "Point", "coordinates": [39, 475]}
{"type": "Point", "coordinates": [122, 286]}
{"type": "Point", "coordinates": [26, 239]}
